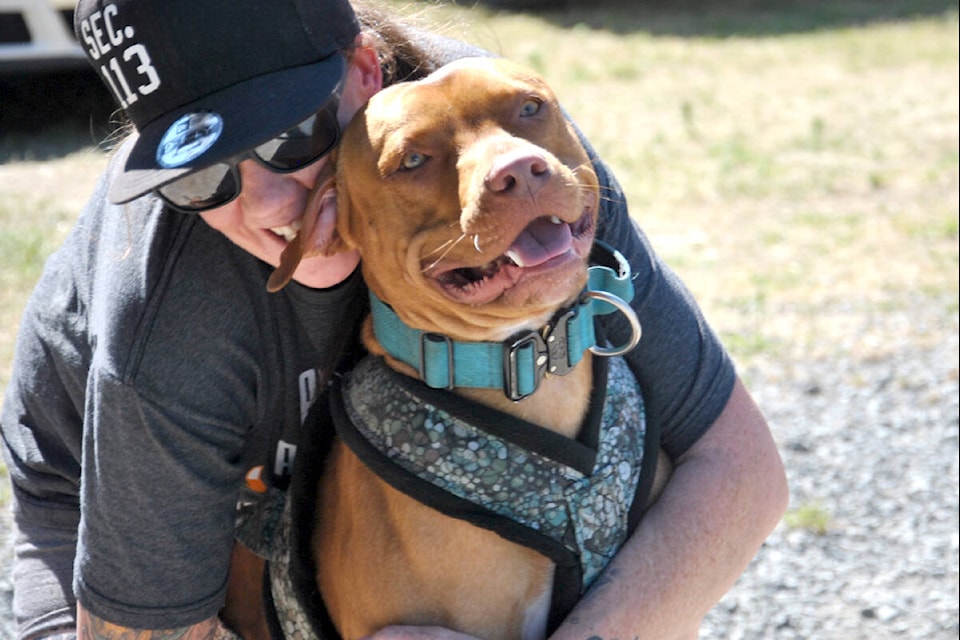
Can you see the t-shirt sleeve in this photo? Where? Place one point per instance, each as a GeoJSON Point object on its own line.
{"type": "Point", "coordinates": [684, 372]}
{"type": "Point", "coordinates": [41, 445]}
{"type": "Point", "coordinates": [174, 389]}
{"type": "Point", "coordinates": [178, 500]}
{"type": "Point", "coordinates": [161, 431]}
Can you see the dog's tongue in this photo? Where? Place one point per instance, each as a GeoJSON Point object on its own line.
{"type": "Point", "coordinates": [539, 242]}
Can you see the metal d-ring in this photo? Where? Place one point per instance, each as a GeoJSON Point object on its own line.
{"type": "Point", "coordinates": [626, 310]}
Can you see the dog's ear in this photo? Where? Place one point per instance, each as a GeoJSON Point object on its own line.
{"type": "Point", "coordinates": [337, 242]}
{"type": "Point", "coordinates": [329, 197]}
{"type": "Point", "coordinates": [323, 237]}
{"type": "Point", "coordinates": [341, 238]}
{"type": "Point", "coordinates": [319, 219]}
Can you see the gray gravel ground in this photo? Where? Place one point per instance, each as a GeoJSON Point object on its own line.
{"type": "Point", "coordinates": [870, 442]}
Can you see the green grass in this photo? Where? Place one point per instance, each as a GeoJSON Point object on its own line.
{"type": "Point", "coordinates": [810, 517]}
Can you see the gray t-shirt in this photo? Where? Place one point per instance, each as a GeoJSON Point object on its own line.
{"type": "Point", "coordinates": [151, 355]}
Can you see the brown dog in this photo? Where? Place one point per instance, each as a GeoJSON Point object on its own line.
{"type": "Point", "coordinates": [473, 205]}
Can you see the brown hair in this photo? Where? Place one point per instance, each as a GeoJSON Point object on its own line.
{"type": "Point", "coordinates": [395, 41]}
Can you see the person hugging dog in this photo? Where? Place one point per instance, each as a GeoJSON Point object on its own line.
{"type": "Point", "coordinates": [159, 393]}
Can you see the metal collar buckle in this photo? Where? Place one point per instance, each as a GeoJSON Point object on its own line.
{"type": "Point", "coordinates": [551, 346]}
{"type": "Point", "coordinates": [550, 354]}
{"type": "Point", "coordinates": [512, 376]}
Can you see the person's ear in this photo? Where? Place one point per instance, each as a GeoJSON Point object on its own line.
{"type": "Point", "coordinates": [364, 75]}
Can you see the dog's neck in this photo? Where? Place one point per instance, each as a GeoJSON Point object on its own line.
{"type": "Point", "coordinates": [559, 404]}
{"type": "Point", "coordinates": [517, 366]}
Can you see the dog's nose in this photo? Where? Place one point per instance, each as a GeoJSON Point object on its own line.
{"type": "Point", "coordinates": [521, 172]}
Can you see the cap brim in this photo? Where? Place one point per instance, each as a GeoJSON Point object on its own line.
{"type": "Point", "coordinates": [253, 112]}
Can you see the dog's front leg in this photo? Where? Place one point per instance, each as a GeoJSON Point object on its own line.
{"type": "Point", "coordinates": [243, 612]}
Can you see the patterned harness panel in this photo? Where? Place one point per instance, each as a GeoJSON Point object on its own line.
{"type": "Point", "coordinates": [576, 493]}
{"type": "Point", "coordinates": [569, 499]}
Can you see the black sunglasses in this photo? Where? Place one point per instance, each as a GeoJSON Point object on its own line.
{"type": "Point", "coordinates": [292, 150]}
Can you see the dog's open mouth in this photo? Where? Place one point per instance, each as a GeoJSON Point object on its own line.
{"type": "Point", "coordinates": [542, 244]}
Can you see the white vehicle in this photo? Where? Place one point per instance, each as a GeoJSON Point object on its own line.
{"type": "Point", "coordinates": [37, 35]}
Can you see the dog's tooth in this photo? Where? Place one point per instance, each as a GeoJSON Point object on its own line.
{"type": "Point", "coordinates": [556, 220]}
{"type": "Point", "coordinates": [514, 257]}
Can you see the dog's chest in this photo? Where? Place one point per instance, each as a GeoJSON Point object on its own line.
{"type": "Point", "coordinates": [567, 498]}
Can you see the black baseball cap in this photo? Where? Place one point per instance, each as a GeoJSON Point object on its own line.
{"type": "Point", "coordinates": [204, 80]}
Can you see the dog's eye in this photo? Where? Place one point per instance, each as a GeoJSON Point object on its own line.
{"type": "Point", "coordinates": [412, 160]}
{"type": "Point", "coordinates": [530, 107]}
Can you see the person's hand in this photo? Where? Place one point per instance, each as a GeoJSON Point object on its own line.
{"type": "Point", "coordinates": [418, 633]}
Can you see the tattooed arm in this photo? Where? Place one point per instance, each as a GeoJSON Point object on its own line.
{"type": "Point", "coordinates": [90, 627]}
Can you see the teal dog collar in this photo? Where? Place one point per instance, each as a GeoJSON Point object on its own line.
{"type": "Point", "coordinates": [518, 364]}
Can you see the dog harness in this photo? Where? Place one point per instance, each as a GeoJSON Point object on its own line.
{"type": "Point", "coordinates": [568, 499]}
{"type": "Point", "coordinates": [574, 501]}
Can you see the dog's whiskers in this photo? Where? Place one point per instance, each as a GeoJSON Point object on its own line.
{"type": "Point", "coordinates": [604, 190]}
{"type": "Point", "coordinates": [445, 244]}
{"type": "Point", "coordinates": [446, 248]}
{"type": "Point", "coordinates": [442, 247]}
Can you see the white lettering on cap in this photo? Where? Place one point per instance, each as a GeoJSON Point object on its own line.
{"type": "Point", "coordinates": [188, 138]}
{"type": "Point", "coordinates": [126, 66]}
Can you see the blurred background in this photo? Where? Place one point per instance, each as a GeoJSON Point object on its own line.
{"type": "Point", "coordinates": [795, 161]}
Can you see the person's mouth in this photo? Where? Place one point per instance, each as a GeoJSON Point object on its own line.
{"type": "Point", "coordinates": [288, 232]}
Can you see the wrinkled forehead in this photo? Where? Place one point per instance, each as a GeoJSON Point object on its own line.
{"type": "Point", "coordinates": [491, 75]}
{"type": "Point", "coordinates": [477, 66]}
{"type": "Point", "coordinates": [471, 89]}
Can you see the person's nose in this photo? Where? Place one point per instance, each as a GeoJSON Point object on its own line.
{"type": "Point", "coordinates": [264, 192]}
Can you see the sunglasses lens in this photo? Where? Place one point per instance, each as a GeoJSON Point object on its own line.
{"type": "Point", "coordinates": [307, 142]}
{"type": "Point", "coordinates": [205, 189]}
{"type": "Point", "coordinates": [292, 150]}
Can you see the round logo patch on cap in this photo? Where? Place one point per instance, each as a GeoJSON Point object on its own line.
{"type": "Point", "coordinates": [188, 138]}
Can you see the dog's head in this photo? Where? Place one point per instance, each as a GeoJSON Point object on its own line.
{"type": "Point", "coordinates": [470, 198]}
